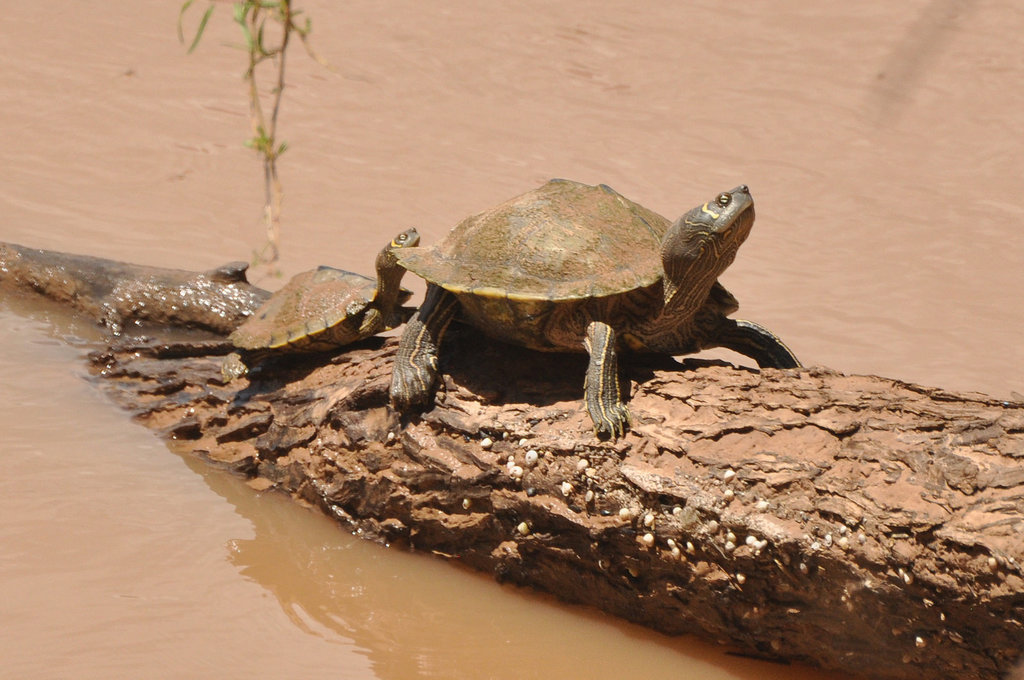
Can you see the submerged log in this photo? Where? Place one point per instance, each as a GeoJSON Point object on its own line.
{"type": "Point", "coordinates": [849, 522]}
{"type": "Point", "coordinates": [122, 296]}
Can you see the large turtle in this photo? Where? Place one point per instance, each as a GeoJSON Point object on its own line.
{"type": "Point", "coordinates": [324, 309]}
{"type": "Point", "coordinates": [572, 267]}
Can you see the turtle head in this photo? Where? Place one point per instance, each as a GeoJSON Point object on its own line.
{"type": "Point", "coordinates": [386, 260]}
{"type": "Point", "coordinates": [702, 243]}
{"type": "Point", "coordinates": [390, 272]}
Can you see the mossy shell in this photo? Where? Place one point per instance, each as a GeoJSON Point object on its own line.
{"type": "Point", "coordinates": [319, 309]}
{"type": "Point", "coordinates": [564, 241]}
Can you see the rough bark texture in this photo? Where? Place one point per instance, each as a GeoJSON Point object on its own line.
{"type": "Point", "coordinates": [850, 522]}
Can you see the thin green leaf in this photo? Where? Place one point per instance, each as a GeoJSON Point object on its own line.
{"type": "Point", "coordinates": [259, 39]}
{"type": "Point", "coordinates": [181, 17]}
{"type": "Point", "coordinates": [247, 33]}
{"type": "Point", "coordinates": [202, 27]}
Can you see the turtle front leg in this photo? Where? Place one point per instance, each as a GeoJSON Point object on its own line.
{"type": "Point", "coordinates": [757, 342]}
{"type": "Point", "coordinates": [372, 323]}
{"type": "Point", "coordinates": [601, 386]}
{"type": "Point", "coordinates": [414, 374]}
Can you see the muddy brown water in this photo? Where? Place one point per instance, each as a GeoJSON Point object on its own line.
{"type": "Point", "coordinates": [882, 143]}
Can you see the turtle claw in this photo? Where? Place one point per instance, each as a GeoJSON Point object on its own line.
{"type": "Point", "coordinates": [411, 387]}
{"type": "Point", "coordinates": [611, 424]}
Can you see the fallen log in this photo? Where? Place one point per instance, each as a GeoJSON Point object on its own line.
{"type": "Point", "coordinates": [849, 522]}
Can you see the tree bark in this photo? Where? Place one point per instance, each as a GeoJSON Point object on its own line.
{"type": "Point", "coordinates": [850, 522]}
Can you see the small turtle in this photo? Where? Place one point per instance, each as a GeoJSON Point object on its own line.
{"type": "Point", "coordinates": [572, 267]}
{"type": "Point", "coordinates": [324, 309]}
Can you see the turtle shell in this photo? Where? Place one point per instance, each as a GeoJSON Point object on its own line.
{"type": "Point", "coordinates": [563, 241]}
{"type": "Point", "coordinates": [310, 304]}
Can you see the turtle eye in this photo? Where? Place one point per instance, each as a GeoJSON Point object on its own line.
{"type": "Point", "coordinates": [724, 199]}
{"type": "Point", "coordinates": [400, 239]}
